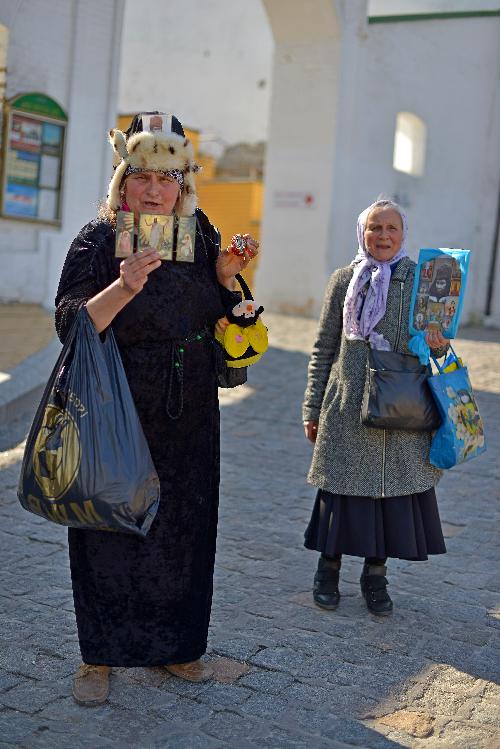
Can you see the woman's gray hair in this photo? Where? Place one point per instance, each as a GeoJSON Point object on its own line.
{"type": "Point", "coordinates": [383, 202]}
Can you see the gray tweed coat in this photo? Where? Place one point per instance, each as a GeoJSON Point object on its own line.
{"type": "Point", "coordinates": [349, 458]}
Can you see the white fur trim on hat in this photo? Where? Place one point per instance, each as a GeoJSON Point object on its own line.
{"type": "Point", "coordinates": [157, 151]}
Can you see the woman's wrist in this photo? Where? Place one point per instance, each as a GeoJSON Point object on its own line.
{"type": "Point", "coordinates": [229, 282]}
{"type": "Point", "coordinates": [124, 289]}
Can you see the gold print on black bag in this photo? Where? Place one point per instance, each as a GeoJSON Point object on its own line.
{"type": "Point", "coordinates": [57, 453]}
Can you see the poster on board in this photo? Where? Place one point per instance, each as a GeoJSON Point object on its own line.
{"type": "Point", "coordinates": [438, 290]}
{"type": "Point", "coordinates": [34, 131]}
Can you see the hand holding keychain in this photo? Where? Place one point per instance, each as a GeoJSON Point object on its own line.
{"type": "Point", "coordinates": [238, 244]}
{"type": "Point", "coordinates": [235, 258]}
{"type": "Point", "coordinates": [243, 245]}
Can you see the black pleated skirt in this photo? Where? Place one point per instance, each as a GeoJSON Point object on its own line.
{"type": "Point", "coordinates": [406, 527]}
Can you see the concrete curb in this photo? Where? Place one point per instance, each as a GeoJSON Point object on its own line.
{"type": "Point", "coordinates": [22, 391]}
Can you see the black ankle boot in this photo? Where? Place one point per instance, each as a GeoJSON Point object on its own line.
{"type": "Point", "coordinates": [374, 588]}
{"type": "Point", "coordinates": [326, 583]}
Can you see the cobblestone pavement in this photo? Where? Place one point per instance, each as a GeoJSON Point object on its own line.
{"type": "Point", "coordinates": [288, 673]}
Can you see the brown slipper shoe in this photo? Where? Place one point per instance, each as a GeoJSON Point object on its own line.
{"type": "Point", "coordinates": [196, 671]}
{"type": "Point", "coordinates": [91, 685]}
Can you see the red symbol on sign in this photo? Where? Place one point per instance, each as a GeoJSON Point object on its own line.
{"type": "Point", "coordinates": [308, 199]}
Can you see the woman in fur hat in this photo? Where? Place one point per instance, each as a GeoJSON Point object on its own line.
{"type": "Point", "coordinates": [376, 496]}
{"type": "Point", "coordinates": [146, 602]}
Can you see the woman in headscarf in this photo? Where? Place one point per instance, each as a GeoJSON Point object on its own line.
{"type": "Point", "coordinates": [376, 496]}
{"type": "Point", "coordinates": [146, 601]}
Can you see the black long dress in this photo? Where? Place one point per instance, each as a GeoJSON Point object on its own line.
{"type": "Point", "coordinates": [146, 602]}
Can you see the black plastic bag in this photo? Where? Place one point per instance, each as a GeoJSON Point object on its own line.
{"type": "Point", "coordinates": [87, 463]}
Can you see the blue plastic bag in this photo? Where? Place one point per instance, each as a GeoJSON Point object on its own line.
{"type": "Point", "coordinates": [461, 434]}
{"type": "Point", "coordinates": [437, 296]}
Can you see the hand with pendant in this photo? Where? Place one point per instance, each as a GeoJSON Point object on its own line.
{"type": "Point", "coordinates": [235, 258]}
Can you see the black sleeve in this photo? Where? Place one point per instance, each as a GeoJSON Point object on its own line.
{"type": "Point", "coordinates": [85, 272]}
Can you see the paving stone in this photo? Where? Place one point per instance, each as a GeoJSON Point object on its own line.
{"type": "Point", "coordinates": [227, 670]}
{"type": "Point", "coordinates": [141, 698]}
{"type": "Point", "coordinates": [341, 729]}
{"type": "Point", "coordinates": [240, 649]}
{"type": "Point", "coordinates": [281, 738]}
{"type": "Point", "coordinates": [225, 726]}
{"type": "Point", "coordinates": [266, 705]}
{"type": "Point", "coordinates": [461, 735]}
{"type": "Point", "coordinates": [487, 712]}
{"type": "Point", "coordinates": [267, 682]}
{"type": "Point", "coordinates": [30, 698]}
{"type": "Point", "coordinates": [165, 739]}
{"type": "Point", "coordinates": [61, 734]}
{"type": "Point", "coordinates": [14, 727]}
{"type": "Point", "coordinates": [190, 712]}
{"type": "Point", "coordinates": [280, 659]}
{"type": "Point", "coordinates": [7, 681]}
{"type": "Point", "coordinates": [420, 725]}
{"type": "Point", "coordinates": [224, 696]}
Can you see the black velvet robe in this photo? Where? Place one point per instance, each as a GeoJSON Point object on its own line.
{"type": "Point", "coordinates": [146, 601]}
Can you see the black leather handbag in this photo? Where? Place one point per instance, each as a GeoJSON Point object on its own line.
{"type": "Point", "coordinates": [397, 394]}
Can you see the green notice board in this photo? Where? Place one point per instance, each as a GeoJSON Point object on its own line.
{"type": "Point", "coordinates": [33, 158]}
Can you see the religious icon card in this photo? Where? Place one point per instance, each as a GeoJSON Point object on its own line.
{"type": "Point", "coordinates": [186, 238]}
{"type": "Point", "coordinates": [156, 231]}
{"type": "Point", "coordinates": [124, 238]}
{"type": "Point", "coordinates": [438, 290]}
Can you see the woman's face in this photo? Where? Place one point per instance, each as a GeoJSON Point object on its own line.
{"type": "Point", "coordinates": [151, 192]}
{"type": "Point", "coordinates": [383, 233]}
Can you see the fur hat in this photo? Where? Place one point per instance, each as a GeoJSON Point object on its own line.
{"type": "Point", "coordinates": [156, 142]}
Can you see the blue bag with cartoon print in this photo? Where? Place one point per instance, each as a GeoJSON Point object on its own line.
{"type": "Point", "coordinates": [461, 434]}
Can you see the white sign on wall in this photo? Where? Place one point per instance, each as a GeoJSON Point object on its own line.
{"type": "Point", "coordinates": [293, 199]}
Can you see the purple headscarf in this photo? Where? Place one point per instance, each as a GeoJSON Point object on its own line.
{"type": "Point", "coordinates": [363, 312]}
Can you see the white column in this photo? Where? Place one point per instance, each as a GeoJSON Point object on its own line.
{"type": "Point", "coordinates": [301, 157]}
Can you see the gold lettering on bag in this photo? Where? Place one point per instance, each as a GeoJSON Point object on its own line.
{"type": "Point", "coordinates": [57, 453]}
{"type": "Point", "coordinates": [75, 400]}
{"type": "Point", "coordinates": [86, 514]}
{"type": "Point", "coordinates": [35, 505]}
{"type": "Point", "coordinates": [58, 514]}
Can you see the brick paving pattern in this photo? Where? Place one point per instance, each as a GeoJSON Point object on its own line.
{"type": "Point", "coordinates": [287, 673]}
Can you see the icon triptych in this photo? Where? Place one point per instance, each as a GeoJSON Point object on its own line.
{"type": "Point", "coordinates": [173, 237]}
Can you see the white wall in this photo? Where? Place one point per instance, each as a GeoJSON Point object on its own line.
{"type": "Point", "coordinates": [444, 71]}
{"type": "Point", "coordinates": [69, 50]}
{"type": "Point", "coordinates": [203, 61]}
{"type": "Point", "coordinates": [448, 76]}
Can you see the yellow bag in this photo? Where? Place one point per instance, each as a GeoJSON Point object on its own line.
{"type": "Point", "coordinates": [245, 339]}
